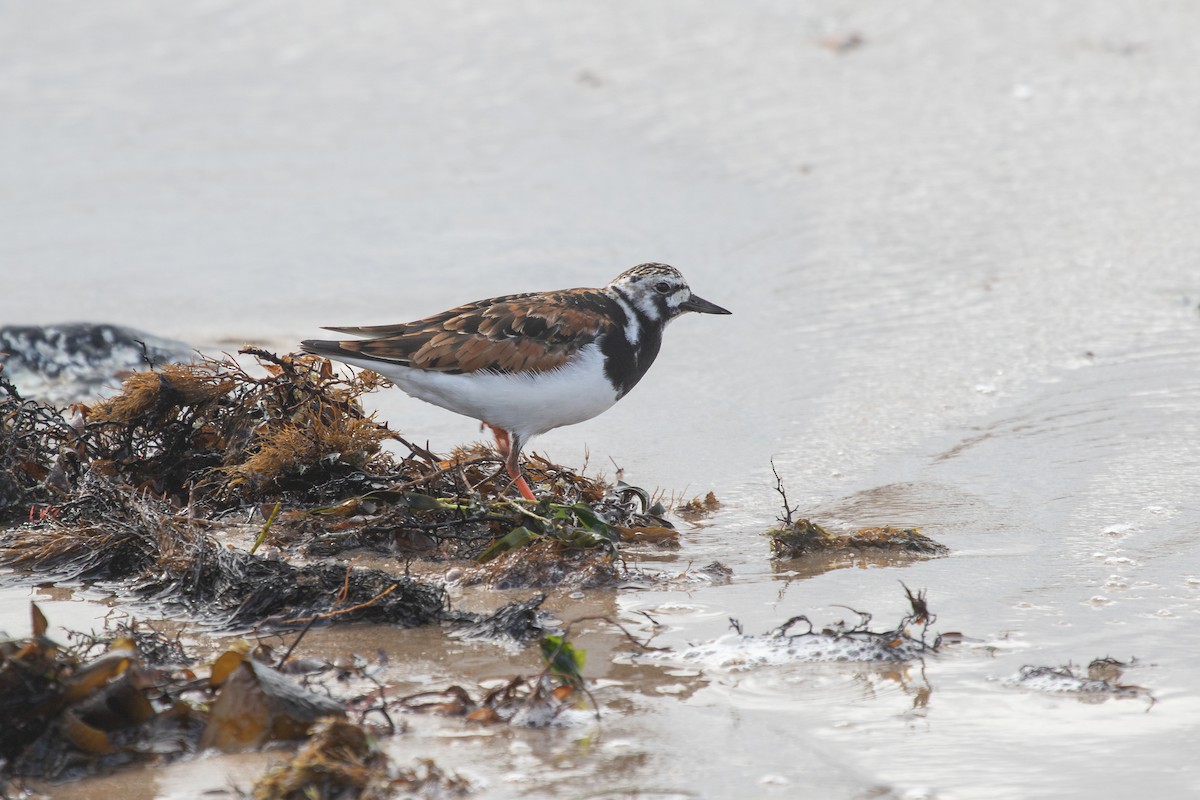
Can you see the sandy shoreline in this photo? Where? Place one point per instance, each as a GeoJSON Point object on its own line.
{"type": "Point", "coordinates": [961, 260]}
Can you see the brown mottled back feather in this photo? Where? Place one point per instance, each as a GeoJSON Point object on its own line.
{"type": "Point", "coordinates": [515, 333]}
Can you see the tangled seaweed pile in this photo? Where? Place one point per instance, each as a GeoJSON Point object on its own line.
{"type": "Point", "coordinates": [111, 534]}
{"type": "Point", "coordinates": [211, 435]}
{"type": "Point", "coordinates": [206, 433]}
{"type": "Point", "coordinates": [33, 452]}
{"type": "Point", "coordinates": [133, 488]}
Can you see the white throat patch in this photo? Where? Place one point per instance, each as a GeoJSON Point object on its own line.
{"type": "Point", "coordinates": [632, 326]}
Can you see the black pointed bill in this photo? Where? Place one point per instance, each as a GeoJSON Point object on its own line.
{"type": "Point", "coordinates": [702, 306]}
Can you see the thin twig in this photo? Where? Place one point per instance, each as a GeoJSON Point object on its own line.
{"type": "Point", "coordinates": [291, 649]}
{"type": "Point", "coordinates": [788, 509]}
{"type": "Point", "coordinates": [340, 612]}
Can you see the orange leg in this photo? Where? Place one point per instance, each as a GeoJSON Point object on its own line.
{"type": "Point", "coordinates": [510, 453]}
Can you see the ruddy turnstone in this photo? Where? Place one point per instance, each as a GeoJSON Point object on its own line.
{"type": "Point", "coordinates": [524, 364]}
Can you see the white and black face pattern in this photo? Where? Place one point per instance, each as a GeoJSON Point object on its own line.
{"type": "Point", "coordinates": [657, 291]}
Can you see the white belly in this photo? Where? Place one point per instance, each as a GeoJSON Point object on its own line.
{"type": "Point", "coordinates": [526, 404]}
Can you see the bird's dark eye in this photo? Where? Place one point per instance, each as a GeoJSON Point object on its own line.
{"type": "Point", "coordinates": [662, 287]}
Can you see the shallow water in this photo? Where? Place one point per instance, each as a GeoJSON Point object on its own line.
{"type": "Point", "coordinates": [962, 261]}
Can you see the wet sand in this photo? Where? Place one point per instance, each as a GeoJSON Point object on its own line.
{"type": "Point", "coordinates": [961, 258]}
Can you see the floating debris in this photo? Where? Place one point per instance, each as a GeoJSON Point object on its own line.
{"type": "Point", "coordinates": [699, 508]}
{"type": "Point", "coordinates": [798, 537]}
{"type": "Point", "coordinates": [804, 537]}
{"type": "Point", "coordinates": [1101, 683]}
{"type": "Point", "coordinates": [523, 702]}
{"type": "Point", "coordinates": [531, 702]}
{"type": "Point", "coordinates": [838, 642]}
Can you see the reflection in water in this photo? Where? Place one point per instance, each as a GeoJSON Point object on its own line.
{"type": "Point", "coordinates": [811, 566]}
{"type": "Point", "coordinates": [915, 686]}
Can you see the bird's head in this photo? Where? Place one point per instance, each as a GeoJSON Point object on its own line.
{"type": "Point", "coordinates": [660, 292]}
